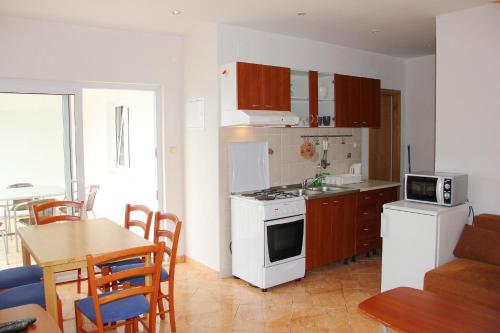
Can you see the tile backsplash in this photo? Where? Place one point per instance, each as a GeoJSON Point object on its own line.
{"type": "Point", "coordinates": [285, 163]}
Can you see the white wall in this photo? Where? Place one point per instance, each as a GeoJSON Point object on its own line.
{"type": "Point", "coordinates": [273, 49]}
{"type": "Point", "coordinates": [31, 136]}
{"type": "Point", "coordinates": [202, 149]}
{"type": "Point", "coordinates": [420, 108]}
{"type": "Point", "coordinates": [42, 50]}
{"type": "Point", "coordinates": [468, 101]}
{"type": "Point", "coordinates": [119, 186]}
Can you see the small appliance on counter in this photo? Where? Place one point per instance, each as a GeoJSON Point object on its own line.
{"type": "Point", "coordinates": [439, 188]}
{"type": "Point", "coordinates": [267, 226]}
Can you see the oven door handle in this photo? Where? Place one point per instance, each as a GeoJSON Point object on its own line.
{"type": "Point", "coordinates": [285, 220]}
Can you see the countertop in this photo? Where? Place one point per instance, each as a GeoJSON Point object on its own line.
{"type": "Point", "coordinates": [370, 185]}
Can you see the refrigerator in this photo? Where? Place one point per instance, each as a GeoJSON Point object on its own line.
{"type": "Point", "coordinates": [417, 237]}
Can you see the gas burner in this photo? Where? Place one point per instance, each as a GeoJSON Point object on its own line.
{"type": "Point", "coordinates": [265, 197]}
{"type": "Point", "coordinates": [251, 195]}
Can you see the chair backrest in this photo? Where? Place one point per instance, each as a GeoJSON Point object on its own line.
{"type": "Point", "coordinates": [48, 212]}
{"type": "Point", "coordinates": [170, 231]}
{"type": "Point", "coordinates": [144, 225]}
{"type": "Point", "coordinates": [28, 205]}
{"type": "Point", "coordinates": [153, 270]}
{"type": "Point", "coordinates": [89, 205]}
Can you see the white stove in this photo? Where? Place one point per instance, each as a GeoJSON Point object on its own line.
{"type": "Point", "coordinates": [267, 226]}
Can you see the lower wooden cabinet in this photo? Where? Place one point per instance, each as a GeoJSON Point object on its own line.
{"type": "Point", "coordinates": [369, 207]}
{"type": "Point", "coordinates": [330, 229]}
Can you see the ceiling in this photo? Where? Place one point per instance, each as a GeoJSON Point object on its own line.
{"type": "Point", "coordinates": [404, 28]}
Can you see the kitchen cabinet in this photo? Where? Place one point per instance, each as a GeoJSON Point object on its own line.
{"type": "Point", "coordinates": [369, 207]}
{"type": "Point", "coordinates": [357, 101]}
{"type": "Point", "coordinates": [330, 229]}
{"type": "Point", "coordinates": [312, 98]}
{"type": "Point", "coordinates": [262, 87]}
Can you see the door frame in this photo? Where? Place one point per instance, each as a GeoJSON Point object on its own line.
{"type": "Point", "coordinates": [396, 136]}
{"type": "Point", "coordinates": [33, 86]}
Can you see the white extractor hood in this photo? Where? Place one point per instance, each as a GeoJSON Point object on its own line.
{"type": "Point", "coordinates": [258, 118]}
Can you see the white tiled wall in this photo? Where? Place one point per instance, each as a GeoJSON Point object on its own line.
{"type": "Point", "coordinates": [286, 164]}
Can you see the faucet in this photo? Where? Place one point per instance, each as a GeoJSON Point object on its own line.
{"type": "Point", "coordinates": [305, 181]}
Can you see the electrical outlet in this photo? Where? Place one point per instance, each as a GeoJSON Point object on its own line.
{"type": "Point", "coordinates": [349, 155]}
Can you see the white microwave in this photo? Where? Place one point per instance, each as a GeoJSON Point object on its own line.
{"type": "Point", "coordinates": [439, 188]}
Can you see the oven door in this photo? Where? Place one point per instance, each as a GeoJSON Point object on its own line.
{"type": "Point", "coordinates": [284, 239]}
{"type": "Point", "coordinates": [423, 189]}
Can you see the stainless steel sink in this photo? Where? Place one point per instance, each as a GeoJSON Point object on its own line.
{"type": "Point", "coordinates": [325, 189]}
{"type": "Point", "coordinates": [306, 192]}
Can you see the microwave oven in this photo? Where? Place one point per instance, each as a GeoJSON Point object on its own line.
{"type": "Point", "coordinates": [439, 188]}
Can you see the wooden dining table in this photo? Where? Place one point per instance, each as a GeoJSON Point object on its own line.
{"type": "Point", "coordinates": [63, 246]}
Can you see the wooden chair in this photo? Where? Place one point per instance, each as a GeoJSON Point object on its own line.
{"type": "Point", "coordinates": [44, 214]}
{"type": "Point", "coordinates": [170, 233]}
{"type": "Point", "coordinates": [124, 306]}
{"type": "Point", "coordinates": [144, 225]}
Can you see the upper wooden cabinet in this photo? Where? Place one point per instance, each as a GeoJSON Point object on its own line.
{"type": "Point", "coordinates": [357, 101]}
{"type": "Point", "coordinates": [262, 87]}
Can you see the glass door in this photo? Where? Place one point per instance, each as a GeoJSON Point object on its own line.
{"type": "Point", "coordinates": [284, 239]}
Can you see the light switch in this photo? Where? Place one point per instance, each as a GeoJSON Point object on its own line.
{"type": "Point", "coordinates": [172, 149]}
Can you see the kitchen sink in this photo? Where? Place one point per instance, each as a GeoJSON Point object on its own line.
{"type": "Point", "coordinates": [325, 189]}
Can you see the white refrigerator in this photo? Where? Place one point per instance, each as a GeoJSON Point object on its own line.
{"type": "Point", "coordinates": [417, 237]}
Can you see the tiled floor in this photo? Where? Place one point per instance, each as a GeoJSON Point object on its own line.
{"type": "Point", "coordinates": [324, 301]}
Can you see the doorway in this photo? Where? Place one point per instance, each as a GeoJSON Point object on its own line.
{"type": "Point", "coordinates": [385, 141]}
{"type": "Point", "coordinates": [37, 132]}
{"type": "Point", "coordinates": [119, 143]}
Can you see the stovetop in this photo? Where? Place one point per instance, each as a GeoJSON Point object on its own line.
{"type": "Point", "coordinates": [270, 194]}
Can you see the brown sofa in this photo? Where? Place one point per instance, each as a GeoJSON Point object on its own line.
{"type": "Point", "coordinates": [475, 274]}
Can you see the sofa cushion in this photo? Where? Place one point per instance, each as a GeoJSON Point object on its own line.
{"type": "Point", "coordinates": [468, 279]}
{"type": "Point", "coordinates": [488, 221]}
{"type": "Point", "coordinates": [479, 244]}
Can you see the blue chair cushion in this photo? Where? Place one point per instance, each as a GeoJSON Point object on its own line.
{"type": "Point", "coordinates": [139, 280]}
{"type": "Point", "coordinates": [18, 276]}
{"type": "Point", "coordinates": [121, 263]}
{"type": "Point", "coordinates": [22, 295]}
{"type": "Point", "coordinates": [121, 309]}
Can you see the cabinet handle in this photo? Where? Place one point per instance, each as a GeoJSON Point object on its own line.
{"type": "Point", "coordinates": [336, 201]}
{"type": "Point", "coordinates": [365, 244]}
{"type": "Point", "coordinates": [268, 105]}
{"type": "Point", "coordinates": [355, 122]}
{"type": "Point", "coordinates": [363, 122]}
{"type": "Point", "coordinates": [365, 213]}
{"type": "Point", "coordinates": [324, 203]}
{"type": "Point", "coordinates": [365, 229]}
{"type": "Point", "coordinates": [367, 198]}
{"type": "Point", "coordinates": [255, 104]}
{"type": "Point", "coordinates": [380, 194]}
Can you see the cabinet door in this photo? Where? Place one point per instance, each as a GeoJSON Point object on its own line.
{"type": "Point", "coordinates": [344, 227]}
{"type": "Point", "coordinates": [313, 99]}
{"type": "Point", "coordinates": [312, 233]}
{"type": "Point", "coordinates": [275, 88]}
{"type": "Point", "coordinates": [370, 102]}
{"type": "Point", "coordinates": [249, 82]}
{"type": "Point", "coordinates": [347, 101]}
{"type": "Point", "coordinates": [319, 233]}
